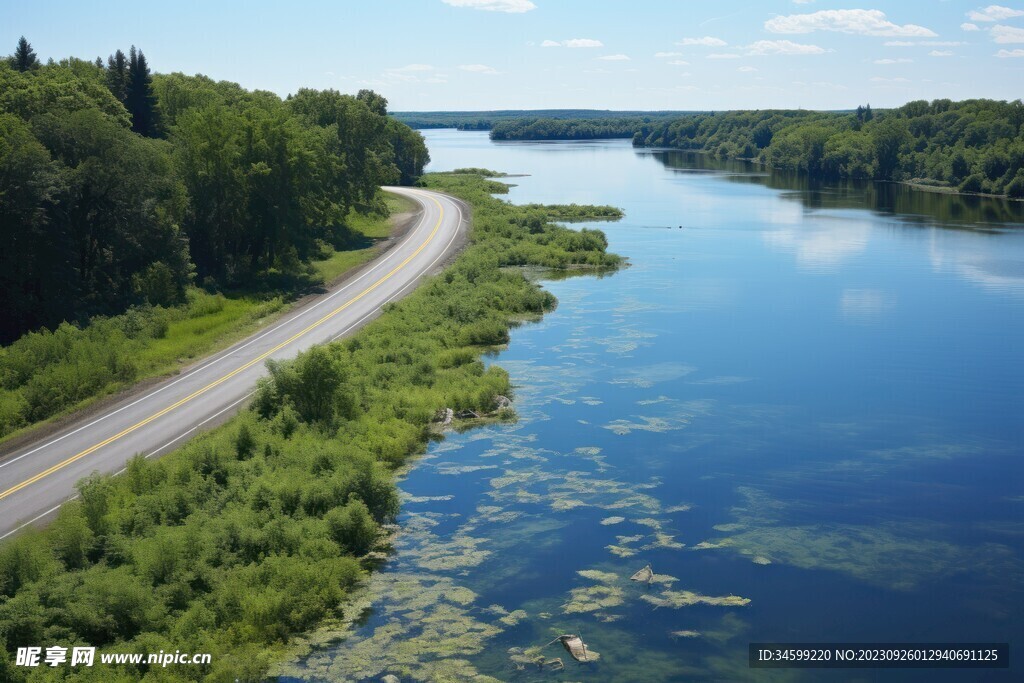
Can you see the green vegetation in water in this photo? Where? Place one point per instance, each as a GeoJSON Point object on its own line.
{"type": "Point", "coordinates": [252, 534]}
{"type": "Point", "coordinates": [507, 640]}
{"type": "Point", "coordinates": [899, 555]}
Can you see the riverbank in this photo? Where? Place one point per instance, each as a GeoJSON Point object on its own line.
{"type": "Point", "coordinates": [257, 531]}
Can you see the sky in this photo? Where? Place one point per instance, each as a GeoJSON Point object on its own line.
{"type": "Point", "coordinates": [533, 54]}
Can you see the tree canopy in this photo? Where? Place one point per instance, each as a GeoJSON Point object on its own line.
{"type": "Point", "coordinates": [119, 187]}
{"type": "Point", "coordinates": [973, 146]}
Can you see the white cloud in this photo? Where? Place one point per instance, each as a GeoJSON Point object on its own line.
{"type": "Point", "coordinates": [898, 79]}
{"type": "Point", "coordinates": [868, 22]}
{"type": "Point", "coordinates": [573, 42]}
{"type": "Point", "coordinates": [507, 6]}
{"type": "Point", "coordinates": [668, 54]}
{"type": "Point", "coordinates": [969, 27]}
{"type": "Point", "coordinates": [1003, 54]}
{"type": "Point", "coordinates": [899, 43]}
{"type": "Point", "coordinates": [411, 67]}
{"type": "Point", "coordinates": [940, 53]}
{"type": "Point", "coordinates": [723, 55]}
{"type": "Point", "coordinates": [615, 58]}
{"type": "Point", "coordinates": [994, 13]}
{"type": "Point", "coordinates": [746, 69]}
{"type": "Point", "coordinates": [478, 68]}
{"type": "Point", "coordinates": [414, 72]}
{"type": "Point", "coordinates": [802, 2]}
{"type": "Point", "coordinates": [901, 60]}
{"type": "Point", "coordinates": [782, 47]}
{"type": "Point", "coordinates": [942, 43]}
{"type": "Point", "coordinates": [679, 62]}
{"type": "Point", "coordinates": [706, 41]}
{"type": "Point", "coordinates": [1007, 34]}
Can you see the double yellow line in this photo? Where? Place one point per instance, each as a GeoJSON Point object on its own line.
{"type": "Point", "coordinates": [221, 380]}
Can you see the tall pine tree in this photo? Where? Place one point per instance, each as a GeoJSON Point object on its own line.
{"type": "Point", "coordinates": [117, 75]}
{"type": "Point", "coordinates": [140, 100]}
{"type": "Point", "coordinates": [24, 57]}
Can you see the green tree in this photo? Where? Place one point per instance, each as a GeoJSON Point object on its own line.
{"type": "Point", "coordinates": [117, 75]}
{"type": "Point", "coordinates": [24, 57]}
{"type": "Point", "coordinates": [139, 98]}
{"type": "Point", "coordinates": [314, 384]}
{"type": "Point", "coordinates": [889, 136]}
{"type": "Point", "coordinates": [35, 263]}
{"type": "Point", "coordinates": [352, 527]}
{"type": "Point", "coordinates": [376, 103]}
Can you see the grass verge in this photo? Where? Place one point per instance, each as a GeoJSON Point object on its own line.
{"type": "Point", "coordinates": [47, 375]}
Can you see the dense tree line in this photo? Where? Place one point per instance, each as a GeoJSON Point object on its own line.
{"type": "Point", "coordinates": [119, 187]}
{"type": "Point", "coordinates": [971, 146]}
{"type": "Point", "coordinates": [254, 533]}
{"type": "Point", "coordinates": [485, 120]}
{"type": "Point", "coordinates": [535, 128]}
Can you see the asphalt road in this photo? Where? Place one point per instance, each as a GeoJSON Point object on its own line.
{"type": "Point", "coordinates": [37, 478]}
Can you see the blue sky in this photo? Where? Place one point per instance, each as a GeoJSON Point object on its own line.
{"type": "Point", "coordinates": [606, 54]}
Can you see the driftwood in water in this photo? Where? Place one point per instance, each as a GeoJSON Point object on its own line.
{"type": "Point", "coordinates": [575, 646]}
{"type": "Point", "coordinates": [646, 575]}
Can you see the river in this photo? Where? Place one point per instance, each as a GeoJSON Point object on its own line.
{"type": "Point", "coordinates": [800, 405]}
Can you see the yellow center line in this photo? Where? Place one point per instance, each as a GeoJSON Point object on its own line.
{"type": "Point", "coordinates": [216, 382]}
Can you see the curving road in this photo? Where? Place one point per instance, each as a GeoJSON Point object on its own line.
{"type": "Point", "coordinates": [37, 478]}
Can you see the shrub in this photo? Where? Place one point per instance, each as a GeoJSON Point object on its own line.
{"type": "Point", "coordinates": [352, 527]}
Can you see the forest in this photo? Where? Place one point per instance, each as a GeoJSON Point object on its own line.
{"type": "Point", "coordinates": [257, 531]}
{"type": "Point", "coordinates": [486, 120]}
{"type": "Point", "coordinates": [974, 146]}
{"type": "Point", "coordinates": [121, 188]}
{"type": "Point", "coordinates": [547, 128]}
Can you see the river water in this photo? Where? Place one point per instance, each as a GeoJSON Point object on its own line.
{"type": "Point", "coordinates": [800, 405]}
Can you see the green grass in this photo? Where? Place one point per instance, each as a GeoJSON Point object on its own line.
{"type": "Point", "coordinates": [193, 337]}
{"type": "Point", "coordinates": [45, 376]}
{"type": "Point", "coordinates": [372, 226]}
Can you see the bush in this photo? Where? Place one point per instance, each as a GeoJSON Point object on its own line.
{"type": "Point", "coordinates": [972, 183]}
{"type": "Point", "coordinates": [158, 285]}
{"type": "Point", "coordinates": [352, 527]}
{"type": "Point", "coordinates": [1014, 189]}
